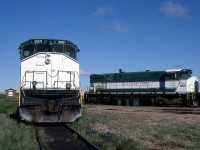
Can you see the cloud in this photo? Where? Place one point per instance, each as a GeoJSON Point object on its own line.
{"type": "Point", "coordinates": [171, 9]}
{"type": "Point", "coordinates": [84, 73]}
{"type": "Point", "coordinates": [103, 10]}
{"type": "Point", "coordinates": [119, 27]}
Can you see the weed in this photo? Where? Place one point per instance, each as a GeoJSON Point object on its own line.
{"type": "Point", "coordinates": [141, 130]}
{"type": "Point", "coordinates": [122, 143]}
{"type": "Point", "coordinates": [7, 106]}
{"type": "Point", "coordinates": [14, 135]}
{"type": "Point", "coordinates": [105, 140]}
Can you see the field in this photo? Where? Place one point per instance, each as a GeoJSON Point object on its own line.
{"type": "Point", "coordinates": [122, 127]}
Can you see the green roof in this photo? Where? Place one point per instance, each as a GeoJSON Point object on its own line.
{"type": "Point", "coordinates": [140, 76]}
{"type": "Point", "coordinates": [49, 42]}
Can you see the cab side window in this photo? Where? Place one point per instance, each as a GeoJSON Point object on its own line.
{"type": "Point", "coordinates": [69, 51]}
{"type": "Point", "coordinates": [27, 51]}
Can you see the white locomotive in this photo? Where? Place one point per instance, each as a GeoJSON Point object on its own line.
{"type": "Point", "coordinates": [49, 84]}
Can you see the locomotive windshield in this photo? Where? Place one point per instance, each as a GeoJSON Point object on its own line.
{"type": "Point", "coordinates": [41, 48]}
{"type": "Point", "coordinates": [57, 48]}
{"type": "Point", "coordinates": [63, 47]}
{"type": "Point", "coordinates": [185, 74]}
{"type": "Point", "coordinates": [178, 74]}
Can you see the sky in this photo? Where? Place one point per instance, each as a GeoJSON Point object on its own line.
{"type": "Point", "coordinates": [133, 35]}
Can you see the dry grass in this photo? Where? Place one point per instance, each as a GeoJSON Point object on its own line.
{"type": "Point", "coordinates": [151, 127]}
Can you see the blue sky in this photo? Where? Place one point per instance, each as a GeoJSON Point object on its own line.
{"type": "Point", "coordinates": [134, 35]}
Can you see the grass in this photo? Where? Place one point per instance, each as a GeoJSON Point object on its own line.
{"type": "Point", "coordinates": [102, 137]}
{"type": "Point", "coordinates": [120, 131]}
{"type": "Point", "coordinates": [111, 130]}
{"type": "Point", "coordinates": [7, 106]}
{"type": "Point", "coordinates": [122, 143]}
{"type": "Point", "coordinates": [179, 135]}
{"type": "Point", "coordinates": [14, 135]}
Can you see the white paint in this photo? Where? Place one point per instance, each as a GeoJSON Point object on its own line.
{"type": "Point", "coordinates": [191, 84]}
{"type": "Point", "coordinates": [54, 73]}
{"type": "Point", "coordinates": [127, 85]}
{"type": "Point", "coordinates": [180, 86]}
{"type": "Point", "coordinates": [174, 70]}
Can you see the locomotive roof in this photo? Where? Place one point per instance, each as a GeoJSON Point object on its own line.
{"type": "Point", "coordinates": [50, 42]}
{"type": "Point", "coordinates": [141, 76]}
{"type": "Point", "coordinates": [148, 71]}
{"type": "Point", "coordinates": [177, 70]}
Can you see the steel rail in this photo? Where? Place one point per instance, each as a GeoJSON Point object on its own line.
{"type": "Point", "coordinates": [61, 136]}
{"type": "Point", "coordinates": [90, 144]}
{"type": "Point", "coordinates": [38, 138]}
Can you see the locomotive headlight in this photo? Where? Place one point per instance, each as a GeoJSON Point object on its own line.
{"type": "Point", "coordinates": [68, 86]}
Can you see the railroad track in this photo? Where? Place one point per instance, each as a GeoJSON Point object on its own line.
{"type": "Point", "coordinates": [61, 137]}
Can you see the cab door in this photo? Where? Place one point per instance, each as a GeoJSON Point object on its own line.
{"type": "Point", "coordinates": [162, 83]}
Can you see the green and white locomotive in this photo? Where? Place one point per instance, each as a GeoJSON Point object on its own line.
{"type": "Point", "coordinates": [175, 86]}
{"type": "Point", "coordinates": [49, 82]}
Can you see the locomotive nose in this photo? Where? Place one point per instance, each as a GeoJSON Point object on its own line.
{"type": "Point", "coordinates": [192, 84]}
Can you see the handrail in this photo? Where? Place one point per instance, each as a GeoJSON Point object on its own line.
{"type": "Point", "coordinates": [71, 79]}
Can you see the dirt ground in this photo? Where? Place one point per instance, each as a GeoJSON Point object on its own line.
{"type": "Point", "coordinates": [154, 127]}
